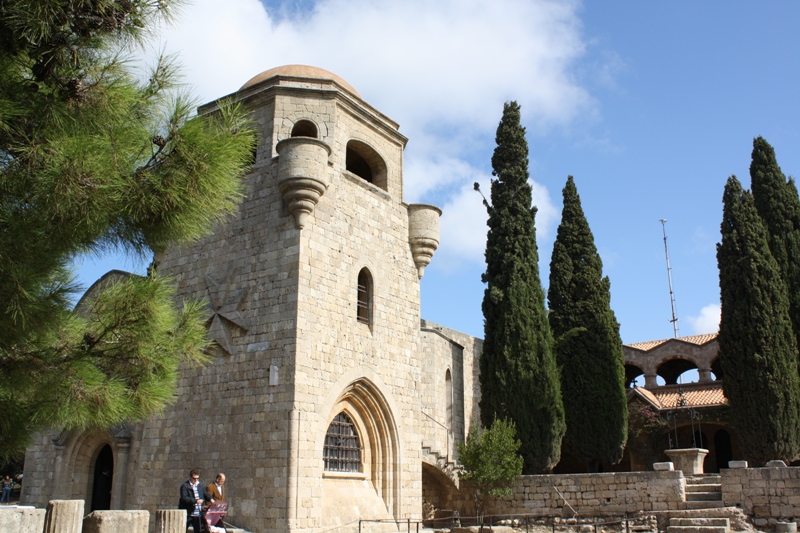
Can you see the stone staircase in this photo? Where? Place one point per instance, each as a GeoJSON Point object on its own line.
{"type": "Point", "coordinates": [704, 492]}
{"type": "Point", "coordinates": [699, 525]}
{"type": "Point", "coordinates": [444, 463]}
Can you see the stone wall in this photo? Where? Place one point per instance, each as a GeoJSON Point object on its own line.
{"type": "Point", "coordinates": [447, 353]}
{"type": "Point", "coordinates": [763, 493]}
{"type": "Point", "coordinates": [612, 494]}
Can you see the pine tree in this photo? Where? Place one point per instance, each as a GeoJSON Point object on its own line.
{"type": "Point", "coordinates": [778, 205]}
{"type": "Point", "coordinates": [588, 347]}
{"type": "Point", "coordinates": [519, 377]}
{"type": "Point", "coordinates": [757, 348]}
{"type": "Point", "coordinates": [93, 159]}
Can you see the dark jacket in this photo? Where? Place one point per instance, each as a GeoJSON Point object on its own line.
{"type": "Point", "coordinates": [187, 496]}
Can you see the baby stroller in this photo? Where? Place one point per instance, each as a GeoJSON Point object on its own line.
{"type": "Point", "coordinates": [212, 519]}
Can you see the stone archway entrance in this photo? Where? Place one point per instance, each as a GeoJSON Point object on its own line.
{"type": "Point", "coordinates": [724, 447]}
{"type": "Point", "coordinates": [102, 479]}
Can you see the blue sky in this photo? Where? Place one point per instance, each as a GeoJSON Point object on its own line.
{"type": "Point", "coordinates": [650, 106]}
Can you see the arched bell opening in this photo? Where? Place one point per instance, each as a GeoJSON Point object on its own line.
{"type": "Point", "coordinates": [304, 128]}
{"type": "Point", "coordinates": [363, 161]}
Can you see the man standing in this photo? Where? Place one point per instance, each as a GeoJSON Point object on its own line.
{"type": "Point", "coordinates": [192, 497]}
{"type": "Point", "coordinates": [215, 489]}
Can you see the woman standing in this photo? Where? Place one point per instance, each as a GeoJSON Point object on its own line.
{"type": "Point", "coordinates": [7, 484]}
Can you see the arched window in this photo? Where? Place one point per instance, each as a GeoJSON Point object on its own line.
{"type": "Point", "coordinates": [364, 162]}
{"type": "Point", "coordinates": [304, 128]}
{"type": "Point", "coordinates": [448, 400]}
{"type": "Point", "coordinates": [364, 304]}
{"type": "Point", "coordinates": [342, 451]}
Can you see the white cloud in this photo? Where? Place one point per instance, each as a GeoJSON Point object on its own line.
{"type": "Point", "coordinates": [463, 224]}
{"type": "Point", "coordinates": [707, 322]}
{"type": "Point", "coordinates": [441, 69]}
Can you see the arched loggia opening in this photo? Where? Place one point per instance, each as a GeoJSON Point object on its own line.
{"type": "Point", "coordinates": [634, 376]}
{"type": "Point", "coordinates": [716, 369]}
{"type": "Point", "coordinates": [677, 370]}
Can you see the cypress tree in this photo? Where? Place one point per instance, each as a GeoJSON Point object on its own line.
{"type": "Point", "coordinates": [519, 378]}
{"type": "Point", "coordinates": [588, 347]}
{"type": "Point", "coordinates": [778, 206]}
{"type": "Point", "coordinates": [757, 348]}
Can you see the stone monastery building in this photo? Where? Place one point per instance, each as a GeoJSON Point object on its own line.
{"type": "Point", "coordinates": [329, 399]}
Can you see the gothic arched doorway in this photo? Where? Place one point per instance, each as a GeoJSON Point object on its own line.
{"type": "Point", "coordinates": [103, 475]}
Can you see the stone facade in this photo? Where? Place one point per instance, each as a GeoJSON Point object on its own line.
{"type": "Point", "coordinates": [314, 306]}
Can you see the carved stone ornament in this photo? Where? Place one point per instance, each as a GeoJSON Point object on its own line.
{"type": "Point", "coordinates": [423, 234]}
{"type": "Point", "coordinates": [302, 174]}
{"type": "Point", "coordinates": [225, 310]}
{"type": "Point", "coordinates": [61, 438]}
{"type": "Point", "coordinates": [122, 433]}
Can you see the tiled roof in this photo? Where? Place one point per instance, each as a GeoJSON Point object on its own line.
{"type": "Point", "coordinates": [647, 395]}
{"type": "Point", "coordinates": [695, 395]}
{"type": "Point", "coordinates": [693, 339]}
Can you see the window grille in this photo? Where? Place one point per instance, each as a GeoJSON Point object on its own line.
{"type": "Point", "coordinates": [342, 452]}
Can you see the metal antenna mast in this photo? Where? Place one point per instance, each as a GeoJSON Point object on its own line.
{"type": "Point", "coordinates": [669, 276]}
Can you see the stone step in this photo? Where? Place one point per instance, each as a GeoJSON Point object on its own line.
{"type": "Point", "coordinates": [697, 529]}
{"type": "Point", "coordinates": [705, 478]}
{"type": "Point", "coordinates": [703, 496]}
{"type": "Point", "coordinates": [700, 521]}
{"type": "Point", "coordinates": [704, 504]}
{"type": "Point", "coordinates": [705, 487]}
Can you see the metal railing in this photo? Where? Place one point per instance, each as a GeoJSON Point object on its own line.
{"type": "Point", "coordinates": [448, 435]}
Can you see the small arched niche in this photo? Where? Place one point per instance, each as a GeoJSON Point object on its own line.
{"type": "Point", "coordinates": [305, 128]}
{"type": "Point", "coordinates": [363, 161]}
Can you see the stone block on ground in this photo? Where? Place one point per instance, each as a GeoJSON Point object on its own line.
{"type": "Point", "coordinates": [117, 522]}
{"type": "Point", "coordinates": [666, 466]}
{"type": "Point", "coordinates": [786, 527]}
{"type": "Point", "coordinates": [64, 516]}
{"type": "Point", "coordinates": [171, 521]}
{"type": "Point", "coordinates": [737, 464]}
{"type": "Point", "coordinates": [21, 520]}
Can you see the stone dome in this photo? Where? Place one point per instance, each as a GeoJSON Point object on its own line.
{"type": "Point", "coordinates": [301, 71]}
